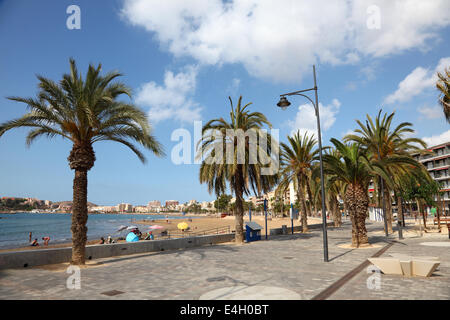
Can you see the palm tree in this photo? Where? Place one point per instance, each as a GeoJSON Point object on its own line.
{"type": "Point", "coordinates": [418, 185]}
{"type": "Point", "coordinates": [296, 160]}
{"type": "Point", "coordinates": [443, 85]}
{"type": "Point", "coordinates": [84, 112]}
{"type": "Point", "coordinates": [314, 188]}
{"type": "Point", "coordinates": [334, 189]}
{"type": "Point", "coordinates": [388, 147]}
{"type": "Point", "coordinates": [352, 167]}
{"type": "Point", "coordinates": [232, 158]}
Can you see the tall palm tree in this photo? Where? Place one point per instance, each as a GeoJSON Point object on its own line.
{"type": "Point", "coordinates": [334, 190]}
{"type": "Point", "coordinates": [387, 146]}
{"type": "Point", "coordinates": [84, 112]}
{"type": "Point", "coordinates": [443, 85]}
{"type": "Point", "coordinates": [352, 167]}
{"type": "Point", "coordinates": [296, 160]}
{"type": "Point", "coordinates": [231, 156]}
{"type": "Point", "coordinates": [314, 188]}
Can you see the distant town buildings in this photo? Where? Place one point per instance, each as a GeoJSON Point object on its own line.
{"type": "Point", "coordinates": [191, 202]}
{"type": "Point", "coordinates": [171, 204]}
{"type": "Point", "coordinates": [104, 209]}
{"type": "Point", "coordinates": [124, 207]}
{"type": "Point", "coordinates": [141, 209]}
{"type": "Point", "coordinates": [154, 203]}
{"type": "Point", "coordinates": [290, 196]}
{"type": "Point", "coordinates": [207, 205]}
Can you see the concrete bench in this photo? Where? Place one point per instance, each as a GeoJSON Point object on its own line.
{"type": "Point", "coordinates": [407, 265]}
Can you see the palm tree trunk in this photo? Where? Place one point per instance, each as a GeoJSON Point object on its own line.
{"type": "Point", "coordinates": [301, 201]}
{"type": "Point", "coordinates": [358, 203]}
{"type": "Point", "coordinates": [388, 201]}
{"type": "Point", "coordinates": [424, 219]}
{"type": "Point", "coordinates": [79, 217]}
{"type": "Point", "coordinates": [353, 218]}
{"type": "Point", "coordinates": [239, 208]}
{"type": "Point", "coordinates": [411, 209]}
{"type": "Point", "coordinates": [418, 212]}
{"type": "Point", "coordinates": [345, 208]}
{"type": "Point", "coordinates": [310, 199]}
{"type": "Point", "coordinates": [337, 214]}
{"type": "Point", "coordinates": [400, 210]}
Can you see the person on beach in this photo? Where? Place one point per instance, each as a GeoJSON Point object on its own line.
{"type": "Point", "coordinates": [149, 236]}
{"type": "Point", "coordinates": [29, 237]}
{"type": "Point", "coordinates": [102, 240]}
{"type": "Point", "coordinates": [109, 239]}
{"type": "Point", "coordinates": [35, 243]}
{"type": "Point", "coordinates": [46, 240]}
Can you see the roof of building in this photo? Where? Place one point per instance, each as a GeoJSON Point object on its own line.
{"type": "Point", "coordinates": [253, 225]}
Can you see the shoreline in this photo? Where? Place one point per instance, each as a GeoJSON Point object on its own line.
{"type": "Point", "coordinates": [171, 214]}
{"type": "Point", "coordinates": [67, 242]}
{"type": "Point", "coordinates": [197, 224]}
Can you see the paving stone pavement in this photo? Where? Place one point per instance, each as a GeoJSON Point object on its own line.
{"type": "Point", "coordinates": [393, 287]}
{"type": "Point", "coordinates": [291, 262]}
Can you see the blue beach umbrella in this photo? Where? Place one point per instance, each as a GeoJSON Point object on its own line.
{"type": "Point", "coordinates": [131, 237]}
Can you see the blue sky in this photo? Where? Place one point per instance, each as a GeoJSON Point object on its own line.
{"type": "Point", "coordinates": [184, 58]}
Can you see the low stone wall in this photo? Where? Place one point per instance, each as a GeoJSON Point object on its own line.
{"type": "Point", "coordinates": [277, 231]}
{"type": "Point", "coordinates": [30, 258]}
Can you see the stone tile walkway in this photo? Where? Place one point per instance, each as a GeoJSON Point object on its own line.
{"type": "Point", "coordinates": [291, 263]}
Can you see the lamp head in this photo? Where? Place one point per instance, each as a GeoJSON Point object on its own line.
{"type": "Point", "coordinates": [283, 103]}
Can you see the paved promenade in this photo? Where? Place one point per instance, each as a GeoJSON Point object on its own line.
{"type": "Point", "coordinates": [285, 267]}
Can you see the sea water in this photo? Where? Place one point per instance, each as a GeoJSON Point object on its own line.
{"type": "Point", "coordinates": [15, 228]}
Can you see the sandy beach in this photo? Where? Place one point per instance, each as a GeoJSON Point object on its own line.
{"type": "Point", "coordinates": [197, 224]}
{"type": "Point", "coordinates": [209, 223]}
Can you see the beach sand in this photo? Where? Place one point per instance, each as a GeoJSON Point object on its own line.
{"type": "Point", "coordinates": [197, 225]}
{"type": "Point", "coordinates": [209, 223]}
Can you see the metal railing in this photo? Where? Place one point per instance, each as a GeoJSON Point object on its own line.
{"type": "Point", "coordinates": [189, 233]}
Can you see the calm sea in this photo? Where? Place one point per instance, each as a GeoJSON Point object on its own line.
{"type": "Point", "coordinates": [14, 228]}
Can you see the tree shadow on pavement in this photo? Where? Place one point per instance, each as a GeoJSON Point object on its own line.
{"type": "Point", "coordinates": [294, 236]}
{"type": "Point", "coordinates": [168, 252]}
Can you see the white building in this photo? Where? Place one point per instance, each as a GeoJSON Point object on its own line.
{"type": "Point", "coordinates": [124, 207]}
{"type": "Point", "coordinates": [141, 209]}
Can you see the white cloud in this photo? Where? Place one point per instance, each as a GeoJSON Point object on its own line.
{"type": "Point", "coordinates": [171, 100]}
{"type": "Point", "coordinates": [416, 82]}
{"type": "Point", "coordinates": [280, 40]}
{"type": "Point", "coordinates": [438, 139]}
{"type": "Point", "coordinates": [349, 131]}
{"type": "Point", "coordinates": [234, 86]}
{"type": "Point", "coordinates": [306, 122]}
{"type": "Point", "coordinates": [431, 112]}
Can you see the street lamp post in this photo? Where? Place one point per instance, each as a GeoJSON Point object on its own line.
{"type": "Point", "coordinates": [284, 103]}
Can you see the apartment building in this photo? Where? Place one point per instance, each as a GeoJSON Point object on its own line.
{"type": "Point", "coordinates": [140, 209]}
{"type": "Point", "coordinates": [124, 207]}
{"type": "Point", "coordinates": [154, 203]}
{"type": "Point", "coordinates": [171, 204]}
{"type": "Point", "coordinates": [438, 165]}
